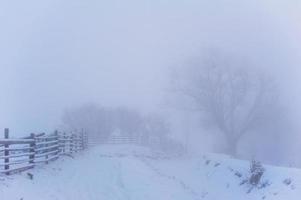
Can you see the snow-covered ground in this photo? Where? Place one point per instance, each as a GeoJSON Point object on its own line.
{"type": "Point", "coordinates": [135, 173]}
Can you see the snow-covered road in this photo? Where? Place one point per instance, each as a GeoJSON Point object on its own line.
{"type": "Point", "coordinates": [133, 173]}
{"type": "Point", "coordinates": [93, 176]}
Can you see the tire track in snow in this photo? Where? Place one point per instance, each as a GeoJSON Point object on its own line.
{"type": "Point", "coordinates": [120, 182]}
{"type": "Point", "coordinates": [174, 179]}
{"type": "Point", "coordinates": [188, 190]}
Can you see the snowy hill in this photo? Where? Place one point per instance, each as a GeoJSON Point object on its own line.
{"type": "Point", "coordinates": [129, 172]}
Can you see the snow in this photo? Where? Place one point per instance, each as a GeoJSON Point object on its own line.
{"type": "Point", "coordinates": [124, 172]}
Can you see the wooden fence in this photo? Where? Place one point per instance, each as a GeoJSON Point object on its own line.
{"type": "Point", "coordinates": [114, 140]}
{"type": "Point", "coordinates": [122, 140]}
{"type": "Point", "coordinates": [25, 153]}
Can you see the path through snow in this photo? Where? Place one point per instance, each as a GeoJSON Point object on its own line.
{"type": "Point", "coordinates": [93, 176]}
{"type": "Point", "coordinates": [135, 173]}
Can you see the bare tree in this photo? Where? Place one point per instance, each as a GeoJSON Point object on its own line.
{"type": "Point", "coordinates": [232, 98]}
{"type": "Point", "coordinates": [96, 121]}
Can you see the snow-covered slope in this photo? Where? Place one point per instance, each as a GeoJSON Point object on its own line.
{"type": "Point", "coordinates": [136, 173]}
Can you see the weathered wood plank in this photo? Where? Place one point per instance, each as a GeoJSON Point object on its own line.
{"type": "Point", "coordinates": [16, 141]}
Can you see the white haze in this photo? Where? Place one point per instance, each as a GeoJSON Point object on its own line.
{"type": "Point", "coordinates": [57, 54]}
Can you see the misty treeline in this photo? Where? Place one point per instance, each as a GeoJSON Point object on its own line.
{"type": "Point", "coordinates": [239, 102]}
{"type": "Point", "coordinates": [100, 123]}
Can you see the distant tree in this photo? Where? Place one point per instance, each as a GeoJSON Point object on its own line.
{"type": "Point", "coordinates": [156, 129]}
{"type": "Point", "coordinates": [157, 135]}
{"type": "Point", "coordinates": [96, 121]}
{"type": "Point", "coordinates": [235, 99]}
{"type": "Point", "coordinates": [100, 123]}
{"type": "Point", "coordinates": [129, 121]}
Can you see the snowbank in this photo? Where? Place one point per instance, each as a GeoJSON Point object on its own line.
{"type": "Point", "coordinates": [123, 172]}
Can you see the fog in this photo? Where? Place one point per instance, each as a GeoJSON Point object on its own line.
{"type": "Point", "coordinates": [57, 55]}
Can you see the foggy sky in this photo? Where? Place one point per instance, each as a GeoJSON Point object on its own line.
{"type": "Point", "coordinates": [57, 54]}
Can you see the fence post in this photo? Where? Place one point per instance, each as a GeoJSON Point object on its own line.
{"type": "Point", "coordinates": [76, 142]}
{"type": "Point", "coordinates": [85, 139]}
{"type": "Point", "coordinates": [6, 151]}
{"type": "Point", "coordinates": [63, 143]}
{"type": "Point", "coordinates": [82, 140]}
{"type": "Point", "coordinates": [71, 143]}
{"type": "Point", "coordinates": [46, 151]}
{"type": "Point", "coordinates": [32, 150]}
{"type": "Point", "coordinates": [56, 134]}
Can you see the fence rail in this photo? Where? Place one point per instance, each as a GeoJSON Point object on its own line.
{"type": "Point", "coordinates": [25, 153]}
